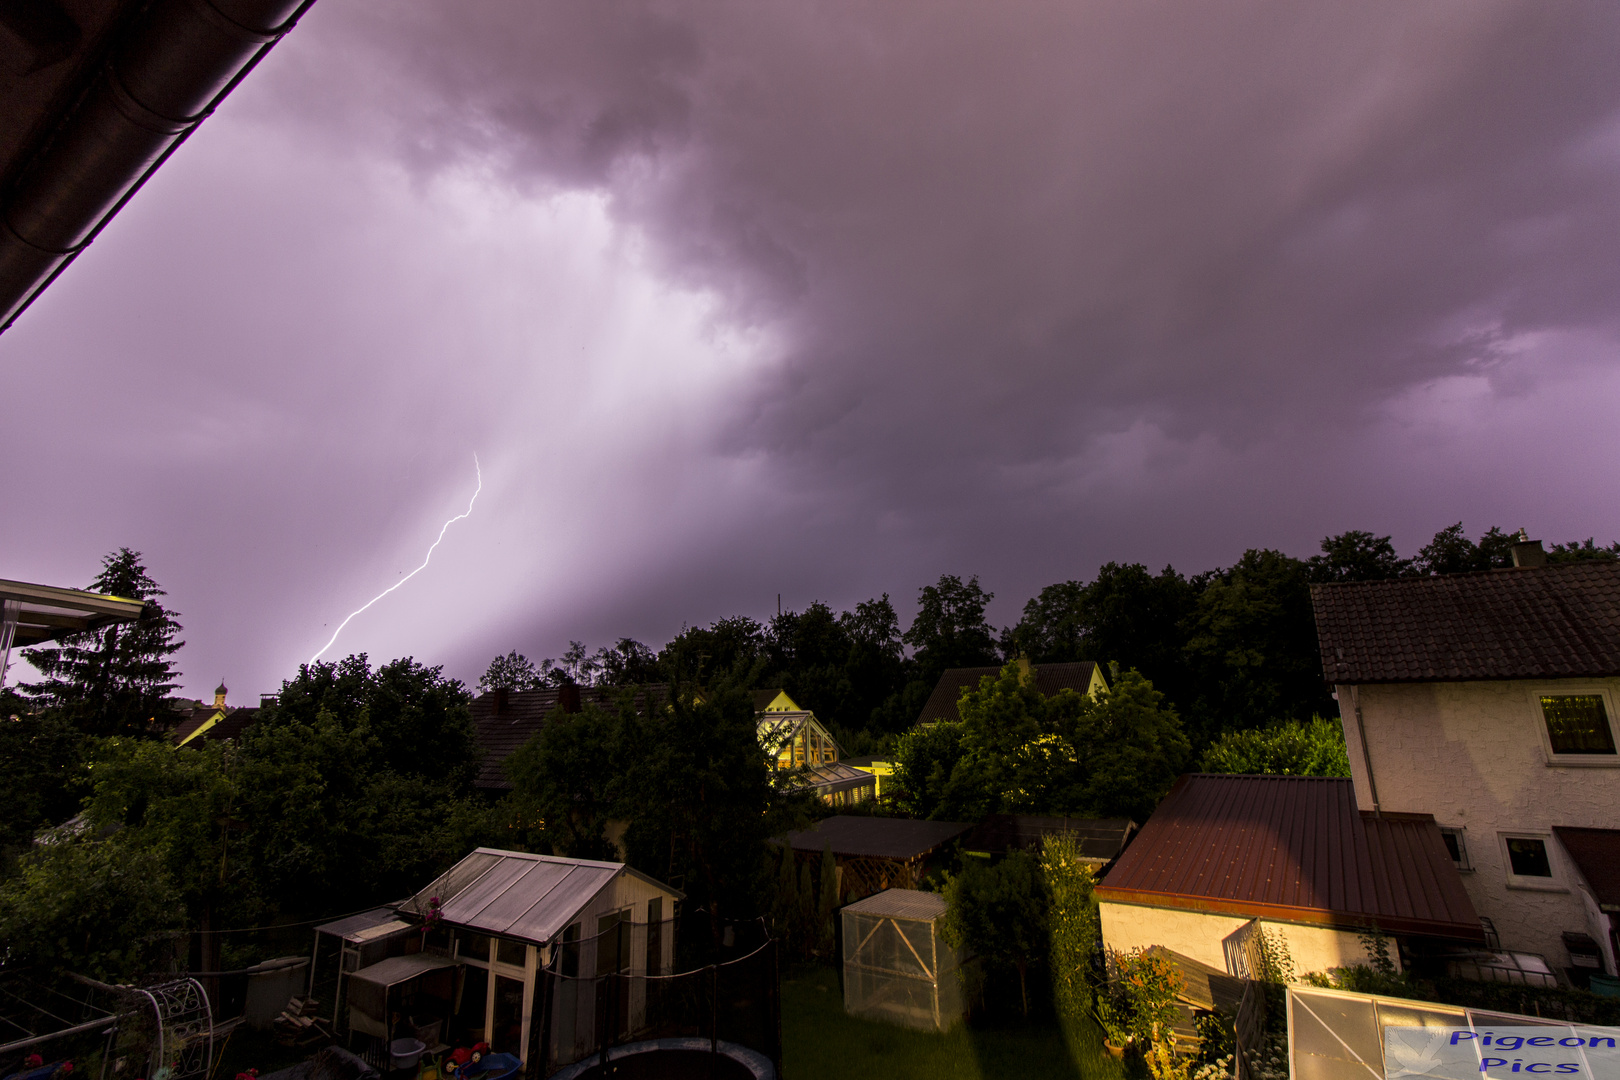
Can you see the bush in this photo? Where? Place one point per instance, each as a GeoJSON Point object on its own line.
{"type": "Point", "coordinates": [1291, 749]}
{"type": "Point", "coordinates": [1073, 925]}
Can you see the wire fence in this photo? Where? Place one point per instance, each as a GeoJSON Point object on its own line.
{"type": "Point", "coordinates": [736, 1000]}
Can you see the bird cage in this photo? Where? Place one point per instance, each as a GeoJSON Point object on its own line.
{"type": "Point", "coordinates": [897, 968]}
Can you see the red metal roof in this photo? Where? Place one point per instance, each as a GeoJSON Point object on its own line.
{"type": "Point", "coordinates": [1292, 848]}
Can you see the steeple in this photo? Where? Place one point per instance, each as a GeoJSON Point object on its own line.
{"type": "Point", "coordinates": [219, 695]}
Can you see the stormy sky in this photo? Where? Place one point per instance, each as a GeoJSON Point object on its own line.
{"type": "Point", "coordinates": [824, 299]}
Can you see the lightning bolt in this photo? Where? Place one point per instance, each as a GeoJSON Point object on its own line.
{"type": "Point", "coordinates": [413, 573]}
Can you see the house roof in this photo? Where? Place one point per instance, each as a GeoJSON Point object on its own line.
{"type": "Point", "coordinates": [828, 779]}
{"type": "Point", "coordinates": [874, 837]}
{"type": "Point", "coordinates": [1544, 622]}
{"type": "Point", "coordinates": [506, 721]}
{"type": "Point", "coordinates": [202, 724]}
{"type": "Point", "coordinates": [518, 895]}
{"type": "Point", "coordinates": [46, 612]}
{"type": "Point", "coordinates": [1293, 848]}
{"type": "Point", "coordinates": [1049, 679]}
{"type": "Point", "coordinates": [1100, 839]}
{"type": "Point", "coordinates": [1596, 853]}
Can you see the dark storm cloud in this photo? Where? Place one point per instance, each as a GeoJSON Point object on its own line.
{"type": "Point", "coordinates": [866, 293]}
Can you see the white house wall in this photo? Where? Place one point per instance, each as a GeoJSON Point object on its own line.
{"type": "Point", "coordinates": [1474, 756]}
{"type": "Point", "coordinates": [1199, 934]}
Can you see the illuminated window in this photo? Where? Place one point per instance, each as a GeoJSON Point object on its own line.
{"type": "Point", "coordinates": [1578, 724]}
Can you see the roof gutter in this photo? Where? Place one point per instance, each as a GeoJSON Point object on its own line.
{"type": "Point", "coordinates": [167, 72]}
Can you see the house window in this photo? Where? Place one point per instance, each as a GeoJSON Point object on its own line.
{"type": "Point", "coordinates": [1527, 857]}
{"type": "Point", "coordinates": [1456, 847]}
{"type": "Point", "coordinates": [1530, 862]}
{"type": "Point", "coordinates": [1577, 724]}
{"type": "Point", "coordinates": [471, 946]}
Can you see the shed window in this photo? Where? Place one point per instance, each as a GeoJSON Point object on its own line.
{"type": "Point", "coordinates": [471, 946]}
{"type": "Point", "coordinates": [1528, 857]}
{"type": "Point", "coordinates": [508, 951]}
{"type": "Point", "coordinates": [1578, 724]}
{"type": "Point", "coordinates": [570, 952]}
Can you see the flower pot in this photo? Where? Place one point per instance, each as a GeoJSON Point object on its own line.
{"type": "Point", "coordinates": [1117, 1052]}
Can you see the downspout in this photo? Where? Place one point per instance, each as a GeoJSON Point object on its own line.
{"type": "Point", "coordinates": [1366, 755]}
{"type": "Point", "coordinates": [166, 75]}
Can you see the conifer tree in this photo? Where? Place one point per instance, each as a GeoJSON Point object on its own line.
{"type": "Point", "coordinates": [115, 680]}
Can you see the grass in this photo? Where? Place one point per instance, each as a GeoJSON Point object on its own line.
{"type": "Point", "coordinates": [821, 1042]}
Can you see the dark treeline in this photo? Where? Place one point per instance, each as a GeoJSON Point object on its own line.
{"type": "Point", "coordinates": [1231, 649]}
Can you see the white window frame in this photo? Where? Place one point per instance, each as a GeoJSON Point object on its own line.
{"type": "Point", "coordinates": [1555, 883]}
{"type": "Point", "coordinates": [1578, 761]}
{"type": "Point", "coordinates": [1466, 865]}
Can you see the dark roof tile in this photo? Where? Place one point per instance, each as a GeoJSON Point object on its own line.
{"type": "Point", "coordinates": [1049, 679]}
{"type": "Point", "coordinates": [1559, 621]}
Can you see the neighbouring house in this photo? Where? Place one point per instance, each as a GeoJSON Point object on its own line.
{"type": "Point", "coordinates": [217, 722]}
{"type": "Point", "coordinates": [798, 740]}
{"type": "Point", "coordinates": [880, 768]}
{"type": "Point", "coordinates": [875, 853]}
{"type": "Point", "coordinates": [1226, 858]}
{"type": "Point", "coordinates": [495, 950]}
{"type": "Point", "coordinates": [1100, 839]}
{"type": "Point", "coordinates": [1083, 677]}
{"type": "Point", "coordinates": [1489, 700]}
{"type": "Point", "coordinates": [506, 719]}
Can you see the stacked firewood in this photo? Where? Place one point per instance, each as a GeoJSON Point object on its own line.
{"type": "Point", "coordinates": [298, 1025]}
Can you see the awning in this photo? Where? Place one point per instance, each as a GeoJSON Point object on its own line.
{"type": "Point", "coordinates": [398, 969]}
{"type": "Point", "coordinates": [349, 927]}
{"type": "Point", "coordinates": [1596, 854]}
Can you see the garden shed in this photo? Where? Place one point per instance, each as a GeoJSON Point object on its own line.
{"type": "Point", "coordinates": [897, 968]}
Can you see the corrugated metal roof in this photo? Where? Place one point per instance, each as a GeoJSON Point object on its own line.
{"type": "Point", "coordinates": [398, 969]}
{"type": "Point", "coordinates": [353, 924]}
{"type": "Point", "coordinates": [1293, 848]}
{"type": "Point", "coordinates": [1049, 679]}
{"type": "Point", "coordinates": [872, 837]}
{"type": "Point", "coordinates": [901, 904]}
{"type": "Point", "coordinates": [518, 895]}
{"type": "Point", "coordinates": [1546, 622]}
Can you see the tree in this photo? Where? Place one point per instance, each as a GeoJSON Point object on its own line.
{"type": "Point", "coordinates": [115, 680]}
{"type": "Point", "coordinates": [100, 908]}
{"type": "Point", "coordinates": [999, 912]}
{"type": "Point", "coordinates": [1451, 552]}
{"type": "Point", "coordinates": [949, 630]}
{"type": "Point", "coordinates": [1131, 745]}
{"type": "Point", "coordinates": [1582, 551]}
{"type": "Point", "coordinates": [627, 662]}
{"type": "Point", "coordinates": [41, 756]}
{"type": "Point", "coordinates": [704, 655]}
{"type": "Point", "coordinates": [1254, 647]}
{"type": "Point", "coordinates": [567, 778]}
{"type": "Point", "coordinates": [1314, 748]}
{"type": "Point", "coordinates": [514, 671]}
{"type": "Point", "coordinates": [1357, 556]}
{"type": "Point", "coordinates": [355, 784]}
{"type": "Point", "coordinates": [700, 799]}
{"type": "Point", "coordinates": [924, 760]}
{"type": "Point", "coordinates": [1125, 615]}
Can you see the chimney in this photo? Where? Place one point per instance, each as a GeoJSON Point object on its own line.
{"type": "Point", "coordinates": [267, 700]}
{"type": "Point", "coordinates": [1026, 670]}
{"type": "Point", "coordinates": [500, 700]}
{"type": "Point", "coordinates": [1527, 552]}
{"type": "Point", "coordinates": [568, 698]}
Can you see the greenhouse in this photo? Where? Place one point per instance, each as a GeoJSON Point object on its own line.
{"type": "Point", "coordinates": [897, 968]}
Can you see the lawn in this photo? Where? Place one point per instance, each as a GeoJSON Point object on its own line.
{"type": "Point", "coordinates": [820, 1042]}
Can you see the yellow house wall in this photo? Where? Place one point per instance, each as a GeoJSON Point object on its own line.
{"type": "Point", "coordinates": [1475, 756]}
{"type": "Point", "coordinates": [1199, 935]}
